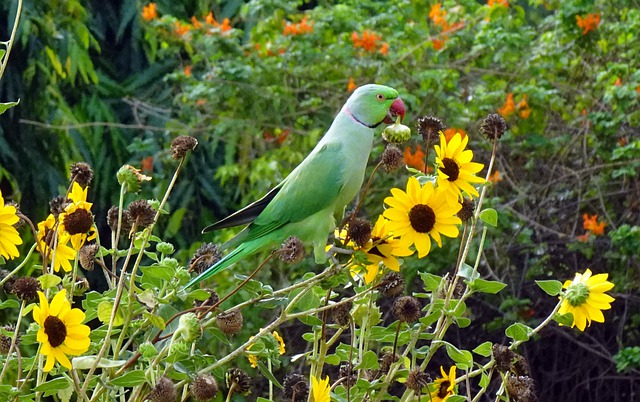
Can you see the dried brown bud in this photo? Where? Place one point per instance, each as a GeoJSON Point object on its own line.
{"type": "Point", "coordinates": [7, 286]}
{"type": "Point", "coordinates": [112, 220]}
{"type": "Point", "coordinates": [359, 230]}
{"type": "Point", "coordinates": [58, 204]}
{"type": "Point", "coordinates": [207, 255]}
{"type": "Point", "coordinates": [347, 372]}
{"type": "Point", "coordinates": [5, 341]}
{"type": "Point", "coordinates": [230, 322]}
{"type": "Point", "coordinates": [212, 300]}
{"type": "Point", "coordinates": [204, 387]}
{"type": "Point", "coordinates": [141, 213]}
{"type": "Point", "coordinates": [341, 313]}
{"type": "Point", "coordinates": [392, 284]}
{"type": "Point", "coordinates": [81, 173]}
{"type": "Point", "coordinates": [164, 391]}
{"type": "Point", "coordinates": [503, 357]}
{"type": "Point", "coordinates": [26, 288]}
{"type": "Point", "coordinates": [78, 222]}
{"type": "Point", "coordinates": [392, 158]}
{"type": "Point", "coordinates": [239, 381]}
{"type": "Point", "coordinates": [466, 212]}
{"type": "Point", "coordinates": [520, 388]}
{"type": "Point", "coordinates": [181, 145]}
{"type": "Point", "coordinates": [87, 255]}
{"type": "Point", "coordinates": [416, 380]}
{"type": "Point", "coordinates": [296, 388]}
{"type": "Point", "coordinates": [493, 126]}
{"type": "Point", "coordinates": [387, 359]}
{"type": "Point", "coordinates": [407, 309]}
{"type": "Point", "coordinates": [292, 250]}
{"type": "Point", "coordinates": [429, 127]}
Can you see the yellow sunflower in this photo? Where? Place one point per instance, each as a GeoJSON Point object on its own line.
{"type": "Point", "coordinates": [320, 389]}
{"type": "Point", "coordinates": [60, 256]}
{"type": "Point", "coordinates": [456, 172]}
{"type": "Point", "coordinates": [9, 237]}
{"type": "Point", "coordinates": [421, 213]}
{"type": "Point", "coordinates": [585, 298]}
{"type": "Point", "coordinates": [77, 219]}
{"type": "Point", "coordinates": [61, 330]}
{"type": "Point", "coordinates": [445, 386]}
{"type": "Point", "coordinates": [281, 348]}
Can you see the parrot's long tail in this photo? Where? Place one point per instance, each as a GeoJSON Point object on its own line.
{"type": "Point", "coordinates": [234, 256]}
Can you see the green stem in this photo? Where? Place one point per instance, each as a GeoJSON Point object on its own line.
{"type": "Point", "coordinates": [22, 264]}
{"type": "Point", "coordinates": [13, 341]}
{"type": "Point", "coordinates": [5, 60]}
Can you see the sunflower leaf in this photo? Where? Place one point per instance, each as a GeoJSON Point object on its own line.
{"type": "Point", "coordinates": [489, 216]}
{"type": "Point", "coordinates": [52, 386]}
{"type": "Point", "coordinates": [484, 349]}
{"type": "Point", "coordinates": [7, 105]}
{"type": "Point", "coordinates": [518, 332]}
{"type": "Point", "coordinates": [462, 358]}
{"type": "Point", "coordinates": [130, 379]}
{"type": "Point", "coordinates": [484, 286]}
{"type": "Point", "coordinates": [551, 287]}
{"type": "Point", "coordinates": [564, 319]}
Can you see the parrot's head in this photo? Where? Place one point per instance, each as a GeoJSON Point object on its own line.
{"type": "Point", "coordinates": [372, 105]}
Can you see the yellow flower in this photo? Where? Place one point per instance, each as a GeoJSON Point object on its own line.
{"type": "Point", "coordinates": [276, 335]}
{"type": "Point", "coordinates": [320, 389]}
{"type": "Point", "coordinates": [456, 172]}
{"type": "Point", "coordinates": [61, 255]}
{"type": "Point", "coordinates": [61, 330]}
{"type": "Point", "coordinates": [77, 219]}
{"type": "Point", "coordinates": [9, 237]}
{"type": "Point", "coordinates": [420, 213]}
{"type": "Point", "coordinates": [444, 387]}
{"type": "Point", "coordinates": [585, 298]}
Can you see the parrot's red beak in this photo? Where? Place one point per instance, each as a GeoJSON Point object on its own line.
{"type": "Point", "coordinates": [397, 109]}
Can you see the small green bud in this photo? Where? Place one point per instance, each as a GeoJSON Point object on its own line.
{"type": "Point", "coordinates": [188, 328]}
{"type": "Point", "coordinates": [182, 275]}
{"type": "Point", "coordinates": [170, 262]}
{"type": "Point", "coordinates": [147, 350]}
{"type": "Point", "coordinates": [131, 178]}
{"type": "Point", "coordinates": [179, 350]}
{"type": "Point", "coordinates": [165, 248]}
{"type": "Point", "coordinates": [396, 133]}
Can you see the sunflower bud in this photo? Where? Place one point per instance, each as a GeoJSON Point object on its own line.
{"type": "Point", "coordinates": [296, 388]}
{"type": "Point", "coordinates": [188, 328]}
{"type": "Point", "coordinates": [396, 133]}
{"type": "Point", "coordinates": [407, 309]}
{"type": "Point", "coordinates": [131, 178]}
{"type": "Point", "coordinates": [58, 204]}
{"type": "Point", "coordinates": [204, 387]}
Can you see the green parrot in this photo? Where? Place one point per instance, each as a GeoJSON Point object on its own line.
{"type": "Point", "coordinates": [308, 201]}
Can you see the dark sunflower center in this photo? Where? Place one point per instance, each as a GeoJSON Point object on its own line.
{"type": "Point", "coordinates": [374, 250]}
{"type": "Point", "coordinates": [422, 218]}
{"type": "Point", "coordinates": [444, 389]}
{"type": "Point", "coordinates": [450, 168]}
{"type": "Point", "coordinates": [55, 330]}
{"type": "Point", "coordinates": [79, 221]}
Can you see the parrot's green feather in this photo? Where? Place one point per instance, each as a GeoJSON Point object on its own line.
{"type": "Point", "coordinates": [305, 202]}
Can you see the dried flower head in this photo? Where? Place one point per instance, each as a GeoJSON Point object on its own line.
{"type": "Point", "coordinates": [58, 204]}
{"type": "Point", "coordinates": [392, 284]}
{"type": "Point", "coordinates": [296, 388]}
{"type": "Point", "coordinates": [292, 250]}
{"type": "Point", "coordinates": [112, 220]}
{"type": "Point", "coordinates": [429, 127]}
{"type": "Point", "coordinates": [204, 257]}
{"type": "Point", "coordinates": [238, 381]}
{"type": "Point", "coordinates": [81, 173]}
{"type": "Point", "coordinates": [87, 255]}
{"type": "Point", "coordinates": [520, 388]}
{"type": "Point", "coordinates": [407, 309]}
{"type": "Point", "coordinates": [386, 360]}
{"type": "Point", "coordinates": [468, 207]}
{"type": "Point", "coordinates": [348, 374]}
{"type": "Point", "coordinates": [503, 357]}
{"type": "Point", "coordinates": [164, 391]}
{"type": "Point", "coordinates": [521, 366]}
{"type": "Point", "coordinates": [493, 126]}
{"type": "Point", "coordinates": [359, 230]}
{"type": "Point", "coordinates": [78, 222]}
{"type": "Point", "coordinates": [141, 213]}
{"type": "Point", "coordinates": [392, 158]}
{"type": "Point", "coordinates": [417, 379]}
{"type": "Point", "coordinates": [181, 145]}
{"type": "Point", "coordinates": [341, 313]}
{"type": "Point", "coordinates": [212, 300]}
{"type": "Point", "coordinates": [204, 387]}
{"type": "Point", "coordinates": [230, 322]}
{"type": "Point", "coordinates": [26, 288]}
{"type": "Point", "coordinates": [5, 341]}
{"type": "Point", "coordinates": [7, 286]}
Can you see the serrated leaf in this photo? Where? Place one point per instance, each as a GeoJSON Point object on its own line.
{"type": "Point", "coordinates": [462, 358]}
{"type": "Point", "coordinates": [518, 332]}
{"type": "Point", "coordinates": [7, 105]}
{"type": "Point", "coordinates": [484, 349]}
{"type": "Point", "coordinates": [489, 216]}
{"type": "Point", "coordinates": [484, 286]}
{"type": "Point", "coordinates": [130, 379]}
{"type": "Point", "coordinates": [104, 313]}
{"type": "Point", "coordinates": [551, 287]}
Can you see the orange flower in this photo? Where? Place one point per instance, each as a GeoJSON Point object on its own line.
{"type": "Point", "coordinates": [495, 177]}
{"type": "Point", "coordinates": [187, 71]}
{"type": "Point", "coordinates": [638, 89]}
{"type": "Point", "coordinates": [210, 20]}
{"type": "Point", "coordinates": [196, 24]}
{"type": "Point", "coordinates": [414, 160]}
{"type": "Point", "coordinates": [508, 107]}
{"type": "Point", "coordinates": [352, 85]}
{"type": "Point", "coordinates": [492, 3]}
{"type": "Point", "coordinates": [584, 237]}
{"type": "Point", "coordinates": [147, 164]}
{"type": "Point", "coordinates": [297, 29]}
{"type": "Point", "coordinates": [149, 12]}
{"type": "Point", "coordinates": [437, 15]}
{"type": "Point", "coordinates": [590, 223]}
{"type": "Point", "coordinates": [523, 108]}
{"type": "Point", "coordinates": [438, 43]}
{"type": "Point", "coordinates": [368, 41]}
{"type": "Point", "coordinates": [618, 82]}
{"type": "Point", "coordinates": [450, 132]}
{"type": "Point", "coordinates": [384, 49]}
{"type": "Point", "coordinates": [225, 26]}
{"type": "Point", "coordinates": [181, 29]}
{"type": "Point", "coordinates": [588, 22]}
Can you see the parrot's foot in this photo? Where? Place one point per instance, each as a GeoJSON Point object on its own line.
{"type": "Point", "coordinates": [333, 250]}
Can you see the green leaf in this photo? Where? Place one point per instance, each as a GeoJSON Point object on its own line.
{"type": "Point", "coordinates": [467, 272]}
{"type": "Point", "coordinates": [518, 332]}
{"type": "Point", "coordinates": [86, 362]}
{"type": "Point", "coordinates": [456, 398]}
{"type": "Point", "coordinates": [130, 379]}
{"type": "Point", "coordinates": [49, 280]}
{"type": "Point", "coordinates": [155, 320]}
{"type": "Point", "coordinates": [489, 216]}
{"type": "Point", "coordinates": [369, 361]}
{"type": "Point", "coordinates": [484, 286]}
{"type": "Point", "coordinates": [104, 313]}
{"type": "Point", "coordinates": [53, 386]}
{"type": "Point", "coordinates": [484, 380]}
{"type": "Point", "coordinates": [431, 282]}
{"type": "Point", "coordinates": [333, 360]}
{"type": "Point", "coordinates": [9, 303]}
{"type": "Point", "coordinates": [7, 105]}
{"type": "Point", "coordinates": [462, 358]}
{"type": "Point", "coordinates": [265, 371]}
{"type": "Point", "coordinates": [551, 287]}
{"type": "Point", "coordinates": [484, 349]}
{"type": "Point", "coordinates": [564, 319]}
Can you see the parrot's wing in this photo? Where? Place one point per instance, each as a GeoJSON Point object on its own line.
{"type": "Point", "coordinates": [311, 187]}
{"type": "Point", "coordinates": [246, 214]}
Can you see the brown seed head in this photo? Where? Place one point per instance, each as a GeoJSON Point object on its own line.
{"type": "Point", "coordinates": [204, 387]}
{"type": "Point", "coordinates": [81, 173]}
{"type": "Point", "coordinates": [407, 309]}
{"type": "Point", "coordinates": [212, 300]}
{"type": "Point", "coordinates": [87, 255]}
{"type": "Point", "coordinates": [292, 250]}
{"type": "Point", "coordinates": [387, 359]}
{"type": "Point", "coordinates": [347, 372]}
{"type": "Point", "coordinates": [141, 213]}
{"type": "Point", "coordinates": [520, 388]}
{"type": "Point", "coordinates": [181, 145]}
{"type": "Point", "coordinates": [230, 322]}
{"type": "Point", "coordinates": [296, 388]}
{"type": "Point", "coordinates": [78, 222]}
{"type": "Point", "coordinates": [5, 341]}
{"type": "Point", "coordinates": [466, 212]}
{"type": "Point", "coordinates": [429, 127]}
{"type": "Point", "coordinates": [7, 286]}
{"type": "Point", "coordinates": [392, 158]}
{"type": "Point", "coordinates": [164, 391]}
{"type": "Point", "coordinates": [26, 288]}
{"type": "Point", "coordinates": [58, 204]}
{"type": "Point", "coordinates": [239, 380]}
{"type": "Point", "coordinates": [207, 255]}
{"type": "Point", "coordinates": [341, 313]}
{"type": "Point", "coordinates": [359, 230]}
{"type": "Point", "coordinates": [417, 379]}
{"type": "Point", "coordinates": [493, 126]}
{"type": "Point", "coordinates": [392, 284]}
{"type": "Point", "coordinates": [112, 220]}
{"type": "Point", "coordinates": [503, 356]}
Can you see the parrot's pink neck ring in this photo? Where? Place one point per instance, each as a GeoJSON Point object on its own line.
{"type": "Point", "coordinates": [348, 112]}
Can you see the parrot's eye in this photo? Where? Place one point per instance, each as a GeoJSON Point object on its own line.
{"type": "Point", "coordinates": [380, 97]}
